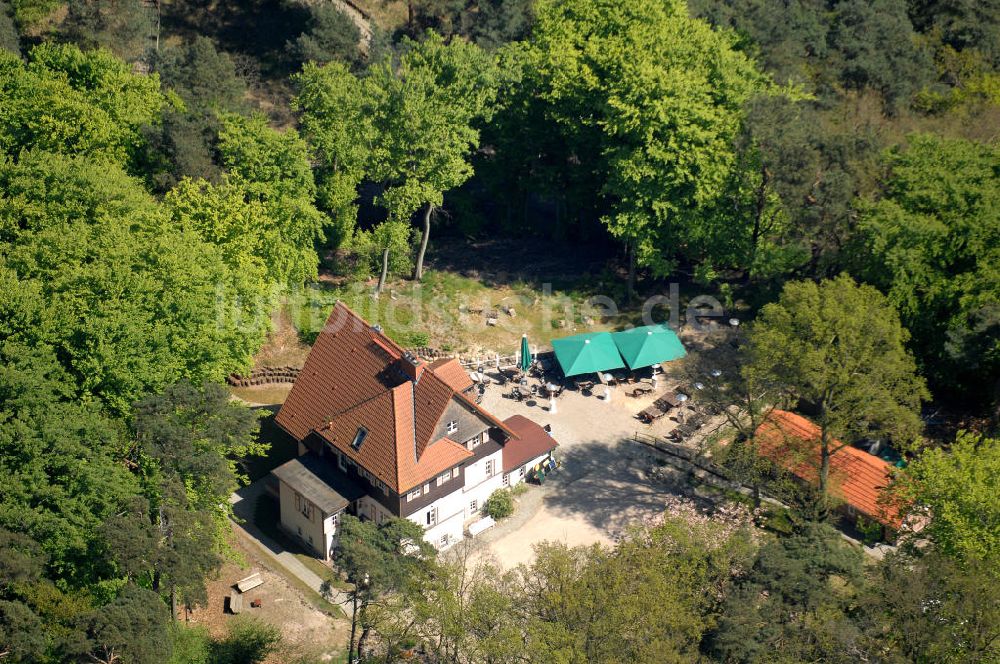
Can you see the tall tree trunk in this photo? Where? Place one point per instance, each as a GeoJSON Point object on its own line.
{"type": "Point", "coordinates": [173, 601]}
{"type": "Point", "coordinates": [418, 271]}
{"type": "Point", "coordinates": [758, 218]}
{"type": "Point", "coordinates": [362, 640]}
{"type": "Point", "coordinates": [385, 272]}
{"type": "Point", "coordinates": [354, 627]}
{"type": "Point", "coordinates": [630, 288]}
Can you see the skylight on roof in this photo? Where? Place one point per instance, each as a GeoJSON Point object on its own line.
{"type": "Point", "coordinates": [359, 437]}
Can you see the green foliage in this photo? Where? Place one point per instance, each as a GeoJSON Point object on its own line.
{"type": "Point", "coordinates": [95, 268]}
{"type": "Point", "coordinates": [879, 49]}
{"type": "Point", "coordinates": [792, 606]}
{"type": "Point", "coordinates": [384, 562]}
{"type": "Point", "coordinates": [932, 243]}
{"type": "Point", "coordinates": [249, 641]}
{"type": "Point", "coordinates": [500, 504]}
{"type": "Point", "coordinates": [126, 27]}
{"type": "Point", "coordinates": [60, 458]}
{"type": "Point", "coordinates": [369, 247]}
{"type": "Point", "coordinates": [77, 103]}
{"type": "Point", "coordinates": [840, 348]}
{"type": "Point", "coordinates": [29, 12]}
{"type": "Point", "coordinates": [424, 115]}
{"type": "Point", "coordinates": [207, 83]}
{"type": "Point", "coordinates": [331, 36]}
{"type": "Point", "coordinates": [272, 168]}
{"type": "Point", "coordinates": [190, 644]}
{"type": "Point", "coordinates": [928, 607]}
{"type": "Point", "coordinates": [337, 124]}
{"type": "Point", "coordinates": [958, 488]}
{"type": "Point", "coordinates": [132, 627]}
{"type": "Point", "coordinates": [651, 100]}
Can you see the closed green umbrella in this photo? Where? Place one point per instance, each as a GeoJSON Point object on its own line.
{"type": "Point", "coordinates": [525, 363]}
{"type": "Point", "coordinates": [648, 345]}
{"type": "Point", "coordinates": [591, 352]}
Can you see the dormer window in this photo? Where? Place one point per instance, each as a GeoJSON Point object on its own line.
{"type": "Point", "coordinates": [452, 426]}
{"type": "Point", "coordinates": [359, 437]}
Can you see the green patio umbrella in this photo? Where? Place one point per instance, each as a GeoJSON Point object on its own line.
{"type": "Point", "coordinates": [648, 345]}
{"type": "Point", "coordinates": [591, 352]}
{"type": "Point", "coordinates": [525, 363]}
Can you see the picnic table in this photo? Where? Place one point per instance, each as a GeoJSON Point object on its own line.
{"type": "Point", "coordinates": [651, 414]}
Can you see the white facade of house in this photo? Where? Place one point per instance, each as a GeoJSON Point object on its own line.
{"type": "Point", "coordinates": [443, 519]}
{"type": "Point", "coordinates": [482, 478]}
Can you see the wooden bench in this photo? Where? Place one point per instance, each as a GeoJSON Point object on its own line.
{"type": "Point", "coordinates": [236, 601]}
{"type": "Point", "coordinates": [483, 524]}
{"type": "Point", "coordinates": [249, 583]}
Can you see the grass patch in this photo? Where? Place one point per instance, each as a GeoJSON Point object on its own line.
{"type": "Point", "coordinates": [445, 311]}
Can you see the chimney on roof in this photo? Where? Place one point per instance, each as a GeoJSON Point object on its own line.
{"type": "Point", "coordinates": [377, 328]}
{"type": "Point", "coordinates": [411, 365]}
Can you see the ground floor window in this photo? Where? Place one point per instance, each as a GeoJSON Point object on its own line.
{"type": "Point", "coordinates": [506, 479]}
{"type": "Point", "coordinates": [520, 473]}
{"type": "Point", "coordinates": [431, 516]}
{"type": "Point", "coordinates": [474, 506]}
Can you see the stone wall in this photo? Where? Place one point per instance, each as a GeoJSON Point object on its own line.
{"type": "Point", "coordinates": [264, 376]}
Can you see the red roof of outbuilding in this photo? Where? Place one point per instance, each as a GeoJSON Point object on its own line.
{"type": "Point", "coordinates": [352, 378]}
{"type": "Point", "coordinates": [856, 477]}
{"type": "Point", "coordinates": [532, 442]}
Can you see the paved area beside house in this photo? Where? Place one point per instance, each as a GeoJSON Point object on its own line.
{"type": "Point", "coordinates": [604, 484]}
{"type": "Point", "coordinates": [244, 502]}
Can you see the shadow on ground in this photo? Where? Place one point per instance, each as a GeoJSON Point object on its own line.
{"type": "Point", "coordinates": [612, 486]}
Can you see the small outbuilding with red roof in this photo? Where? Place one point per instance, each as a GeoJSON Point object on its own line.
{"type": "Point", "coordinates": [857, 478]}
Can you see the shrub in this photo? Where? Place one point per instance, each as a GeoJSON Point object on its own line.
{"type": "Point", "coordinates": [500, 504]}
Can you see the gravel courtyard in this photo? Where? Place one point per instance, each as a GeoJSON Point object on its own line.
{"type": "Point", "coordinates": [604, 483]}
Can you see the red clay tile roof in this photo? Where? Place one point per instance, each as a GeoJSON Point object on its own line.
{"type": "Point", "coordinates": [856, 477]}
{"type": "Point", "coordinates": [450, 371]}
{"type": "Point", "coordinates": [532, 442]}
{"type": "Point", "coordinates": [352, 378]}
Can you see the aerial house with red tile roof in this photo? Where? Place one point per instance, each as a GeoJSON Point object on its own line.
{"type": "Point", "coordinates": [390, 436]}
{"type": "Point", "coordinates": [857, 478]}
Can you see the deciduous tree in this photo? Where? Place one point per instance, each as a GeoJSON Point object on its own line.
{"type": "Point", "coordinates": [839, 348]}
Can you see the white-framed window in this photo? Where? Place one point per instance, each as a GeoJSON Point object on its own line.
{"type": "Point", "coordinates": [413, 495]}
{"type": "Point", "coordinates": [520, 472]}
{"type": "Point", "coordinates": [427, 487]}
{"type": "Point", "coordinates": [431, 516]}
{"type": "Point", "coordinates": [382, 487]}
{"type": "Point", "coordinates": [490, 467]}
{"type": "Point", "coordinates": [506, 479]}
{"type": "Point", "coordinates": [444, 540]}
{"type": "Point", "coordinates": [441, 479]}
{"type": "Point", "coordinates": [340, 462]}
{"type": "Point", "coordinates": [473, 506]}
{"type": "Point", "coordinates": [452, 426]}
{"type": "Point", "coordinates": [455, 472]}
